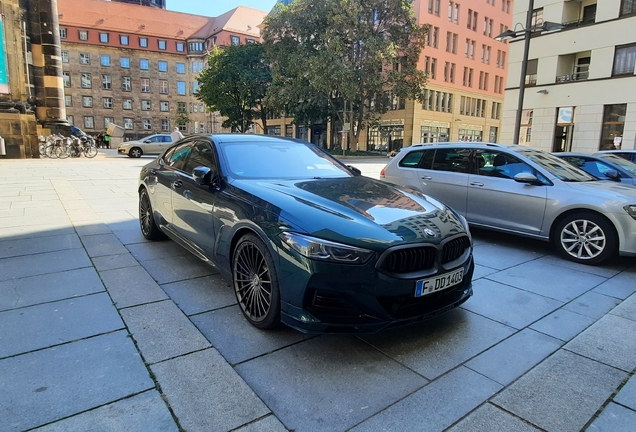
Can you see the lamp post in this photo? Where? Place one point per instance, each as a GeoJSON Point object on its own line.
{"type": "Point", "coordinates": [527, 33]}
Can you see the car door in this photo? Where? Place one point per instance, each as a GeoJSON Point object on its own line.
{"type": "Point", "coordinates": [152, 144]}
{"type": "Point", "coordinates": [444, 176]}
{"type": "Point", "coordinates": [166, 175]}
{"type": "Point", "coordinates": [165, 141]}
{"type": "Point", "coordinates": [495, 199]}
{"type": "Point", "coordinates": [193, 204]}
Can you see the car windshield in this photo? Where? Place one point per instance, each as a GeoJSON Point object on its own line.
{"type": "Point", "coordinates": [280, 160]}
{"type": "Point", "coordinates": [559, 168]}
{"type": "Point", "coordinates": [626, 165]}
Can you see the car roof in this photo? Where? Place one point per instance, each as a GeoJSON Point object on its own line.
{"type": "Point", "coordinates": [617, 151]}
{"type": "Point", "coordinates": [245, 138]}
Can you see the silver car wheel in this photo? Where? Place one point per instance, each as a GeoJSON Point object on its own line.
{"type": "Point", "coordinates": [583, 239]}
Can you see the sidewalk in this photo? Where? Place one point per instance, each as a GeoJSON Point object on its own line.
{"type": "Point", "coordinates": [102, 330]}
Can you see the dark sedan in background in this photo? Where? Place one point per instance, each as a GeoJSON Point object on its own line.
{"type": "Point", "coordinates": [305, 239]}
{"type": "Point", "coordinates": [604, 166]}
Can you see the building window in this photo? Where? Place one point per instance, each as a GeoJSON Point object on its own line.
{"type": "Point", "coordinates": [143, 42]}
{"type": "Point", "coordinates": [496, 109]}
{"type": "Point", "coordinates": [162, 65]}
{"type": "Point", "coordinates": [145, 105]}
{"type": "Point", "coordinates": [86, 80]}
{"type": "Point", "coordinates": [235, 40]}
{"type": "Point", "coordinates": [128, 123]}
{"type": "Point", "coordinates": [531, 72]}
{"type": "Point", "coordinates": [195, 87]}
{"type": "Point", "coordinates": [107, 83]}
{"type": "Point", "coordinates": [181, 87]}
{"type": "Point", "coordinates": [195, 46]}
{"type": "Point", "coordinates": [144, 64]}
{"type": "Point", "coordinates": [70, 120]}
{"type": "Point", "coordinates": [147, 124]}
{"type": "Point", "coordinates": [125, 62]}
{"type": "Point", "coordinates": [107, 102]}
{"type": "Point", "coordinates": [123, 39]}
{"type": "Point", "coordinates": [104, 60]}
{"type": "Point", "coordinates": [433, 7]}
{"type": "Point", "coordinates": [624, 60]}
{"type": "Point", "coordinates": [64, 56]}
{"type": "Point", "coordinates": [127, 104]}
{"type": "Point", "coordinates": [181, 107]}
{"type": "Point", "coordinates": [197, 66]}
{"type": "Point", "coordinates": [83, 35]}
{"type": "Point", "coordinates": [613, 126]}
{"type": "Point", "coordinates": [103, 37]}
{"type": "Point", "coordinates": [537, 17]}
{"type": "Point", "coordinates": [87, 101]}
{"type": "Point", "coordinates": [163, 86]}
{"type": "Point", "coordinates": [180, 68]}
{"type": "Point", "coordinates": [126, 84]}
{"type": "Point", "coordinates": [84, 58]}
{"type": "Point", "coordinates": [164, 106]}
{"type": "Point", "coordinates": [249, 41]}
{"type": "Point", "coordinates": [108, 121]}
{"type": "Point", "coordinates": [68, 100]}
{"type": "Point", "coordinates": [161, 44]}
{"type": "Point", "coordinates": [472, 20]}
{"type": "Point", "coordinates": [89, 122]}
{"type": "Point", "coordinates": [627, 8]}
{"type": "Point", "coordinates": [66, 77]}
{"type": "Point", "coordinates": [145, 85]}
{"type": "Point", "coordinates": [165, 125]}
{"type": "Point", "coordinates": [179, 46]}
{"type": "Point", "coordinates": [63, 33]}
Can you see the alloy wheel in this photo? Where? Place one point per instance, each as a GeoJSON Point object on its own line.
{"type": "Point", "coordinates": [252, 282]}
{"type": "Point", "coordinates": [583, 239]}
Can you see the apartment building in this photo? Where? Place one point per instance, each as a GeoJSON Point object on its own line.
{"type": "Point", "coordinates": [137, 66]}
{"type": "Point", "coordinates": [466, 70]}
{"type": "Point", "coordinates": [580, 82]}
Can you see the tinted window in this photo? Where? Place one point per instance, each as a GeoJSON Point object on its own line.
{"type": "Point", "coordinates": [628, 166]}
{"type": "Point", "coordinates": [412, 159]}
{"type": "Point", "coordinates": [176, 158]}
{"type": "Point", "coordinates": [494, 163]}
{"type": "Point", "coordinates": [451, 159]}
{"type": "Point", "coordinates": [596, 168]}
{"type": "Point", "coordinates": [167, 138]}
{"type": "Point", "coordinates": [201, 155]}
{"type": "Point", "coordinates": [557, 167]}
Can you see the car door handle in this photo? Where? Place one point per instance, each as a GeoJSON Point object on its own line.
{"type": "Point", "coordinates": [427, 178]}
{"type": "Point", "coordinates": [476, 184]}
{"type": "Point", "coordinates": [177, 184]}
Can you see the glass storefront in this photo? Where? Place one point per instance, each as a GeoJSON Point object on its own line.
{"type": "Point", "coordinates": [613, 126]}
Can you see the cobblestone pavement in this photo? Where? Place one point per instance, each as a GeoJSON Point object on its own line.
{"type": "Point", "coordinates": [102, 330]}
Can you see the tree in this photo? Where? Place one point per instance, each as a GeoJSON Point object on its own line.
{"type": "Point", "coordinates": [326, 55]}
{"type": "Point", "coordinates": [235, 84]}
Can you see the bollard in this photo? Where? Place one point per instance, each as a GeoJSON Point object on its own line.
{"type": "Point", "coordinates": [3, 150]}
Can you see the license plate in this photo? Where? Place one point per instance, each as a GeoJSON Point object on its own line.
{"type": "Point", "coordinates": [438, 283]}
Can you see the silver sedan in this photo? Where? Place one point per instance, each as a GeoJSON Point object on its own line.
{"type": "Point", "coordinates": [524, 191]}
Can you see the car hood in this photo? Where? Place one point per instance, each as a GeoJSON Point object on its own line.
{"type": "Point", "coordinates": [606, 189]}
{"type": "Point", "coordinates": [354, 210]}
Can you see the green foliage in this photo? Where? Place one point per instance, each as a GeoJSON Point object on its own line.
{"type": "Point", "coordinates": [182, 118]}
{"type": "Point", "coordinates": [235, 84]}
{"type": "Point", "coordinates": [330, 54]}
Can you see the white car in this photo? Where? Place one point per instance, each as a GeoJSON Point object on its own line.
{"type": "Point", "coordinates": [150, 145]}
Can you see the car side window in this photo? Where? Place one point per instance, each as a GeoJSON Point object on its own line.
{"type": "Point", "coordinates": [176, 158]}
{"type": "Point", "coordinates": [201, 155]}
{"type": "Point", "coordinates": [493, 163]}
{"type": "Point", "coordinates": [451, 159]}
{"type": "Point", "coordinates": [167, 138]}
{"type": "Point", "coordinates": [412, 159]}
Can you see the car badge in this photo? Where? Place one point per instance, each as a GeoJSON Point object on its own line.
{"type": "Point", "coordinates": [429, 232]}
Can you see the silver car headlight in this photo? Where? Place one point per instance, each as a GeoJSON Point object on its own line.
{"type": "Point", "coordinates": [324, 250]}
{"type": "Point", "coordinates": [631, 210]}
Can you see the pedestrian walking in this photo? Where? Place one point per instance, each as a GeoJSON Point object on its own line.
{"type": "Point", "coordinates": [176, 134]}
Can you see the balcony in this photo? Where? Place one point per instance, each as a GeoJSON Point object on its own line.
{"type": "Point", "coordinates": [579, 23]}
{"type": "Point", "coordinates": [581, 76]}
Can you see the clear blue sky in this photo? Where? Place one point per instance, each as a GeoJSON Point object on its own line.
{"type": "Point", "coordinates": [215, 8]}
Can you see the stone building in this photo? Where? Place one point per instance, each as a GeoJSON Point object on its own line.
{"type": "Point", "coordinates": [137, 66]}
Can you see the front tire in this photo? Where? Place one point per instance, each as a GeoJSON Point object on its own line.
{"type": "Point", "coordinates": [586, 238]}
{"type": "Point", "coordinates": [135, 152]}
{"type": "Point", "coordinates": [149, 227]}
{"type": "Point", "coordinates": [256, 283]}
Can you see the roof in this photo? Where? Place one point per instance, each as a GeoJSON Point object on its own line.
{"type": "Point", "coordinates": [143, 20]}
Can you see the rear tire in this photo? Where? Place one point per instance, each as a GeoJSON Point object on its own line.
{"type": "Point", "coordinates": [147, 223]}
{"type": "Point", "coordinates": [585, 238]}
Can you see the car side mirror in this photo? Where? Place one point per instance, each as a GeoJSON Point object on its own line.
{"type": "Point", "coordinates": [613, 175]}
{"type": "Point", "coordinates": [527, 178]}
{"type": "Point", "coordinates": [202, 175]}
{"type": "Point", "coordinates": [355, 170]}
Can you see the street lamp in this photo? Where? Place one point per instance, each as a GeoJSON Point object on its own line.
{"type": "Point", "coordinates": [526, 33]}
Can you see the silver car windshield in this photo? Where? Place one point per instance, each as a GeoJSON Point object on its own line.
{"type": "Point", "coordinates": [628, 166]}
{"type": "Point", "coordinates": [289, 160]}
{"type": "Point", "coordinates": [559, 168]}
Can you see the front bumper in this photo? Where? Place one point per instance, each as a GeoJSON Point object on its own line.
{"type": "Point", "coordinates": [122, 151]}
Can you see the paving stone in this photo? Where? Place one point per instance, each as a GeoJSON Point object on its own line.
{"type": "Point", "coordinates": [620, 286]}
{"type": "Point", "coordinates": [610, 340]}
{"type": "Point", "coordinates": [614, 418]}
{"type": "Point", "coordinates": [627, 395]}
{"type": "Point", "coordinates": [111, 262]}
{"type": "Point", "coordinates": [237, 340]}
{"type": "Point", "coordinates": [140, 413]}
{"type": "Point", "coordinates": [268, 424]}
{"type": "Point", "coordinates": [436, 346]}
{"type": "Point", "coordinates": [129, 236]}
{"type": "Point", "coordinates": [329, 383]}
{"type": "Point", "coordinates": [206, 394]}
{"type": "Point", "coordinates": [201, 294]}
{"type": "Point", "coordinates": [501, 257]}
{"type": "Point", "coordinates": [511, 358]}
{"type": "Point", "coordinates": [131, 286]}
{"type": "Point", "coordinates": [44, 325]}
{"type": "Point", "coordinates": [21, 247]}
{"type": "Point", "coordinates": [482, 271]}
{"type": "Point", "coordinates": [562, 393]}
{"type": "Point", "coordinates": [178, 268]}
{"type": "Point", "coordinates": [508, 305]}
{"type": "Point", "coordinates": [162, 331]}
{"type": "Point", "coordinates": [103, 244]}
{"type": "Point", "coordinates": [156, 250]}
{"type": "Point", "coordinates": [492, 419]}
{"type": "Point", "coordinates": [607, 270]}
{"type": "Point", "coordinates": [558, 283]}
{"type": "Point", "coordinates": [24, 232]}
{"type": "Point", "coordinates": [592, 304]}
{"type": "Point", "coordinates": [91, 229]}
{"type": "Point", "coordinates": [627, 309]}
{"type": "Point", "coordinates": [39, 264]}
{"type": "Point", "coordinates": [563, 324]}
{"type": "Point", "coordinates": [47, 385]}
{"type": "Point", "coordinates": [436, 406]}
{"type": "Point", "coordinates": [17, 293]}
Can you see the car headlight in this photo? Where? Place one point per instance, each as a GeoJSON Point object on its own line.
{"type": "Point", "coordinates": [325, 250]}
{"type": "Point", "coordinates": [631, 210]}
